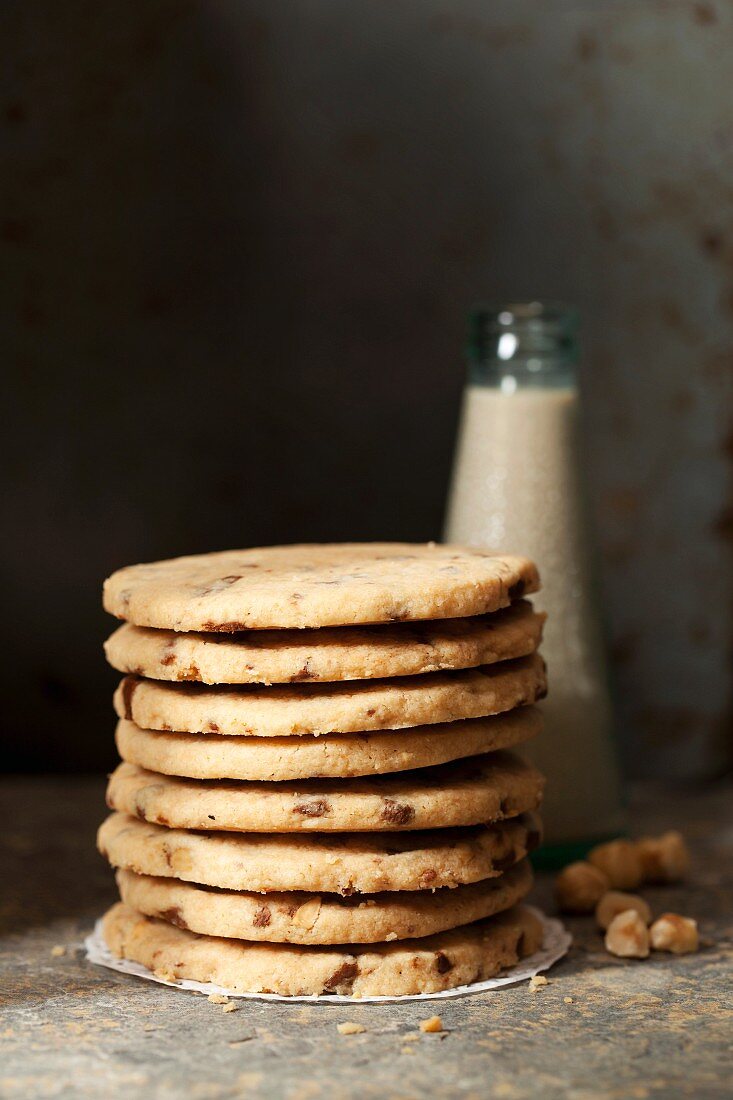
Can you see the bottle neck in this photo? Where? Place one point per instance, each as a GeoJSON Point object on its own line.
{"type": "Point", "coordinates": [522, 345]}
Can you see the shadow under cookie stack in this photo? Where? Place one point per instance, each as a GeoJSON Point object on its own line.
{"type": "Point", "coordinates": [318, 793]}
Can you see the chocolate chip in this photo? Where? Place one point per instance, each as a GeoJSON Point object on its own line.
{"type": "Point", "coordinates": [169, 656]}
{"type": "Point", "coordinates": [212, 727]}
{"type": "Point", "coordinates": [319, 807]}
{"type": "Point", "coordinates": [503, 863]}
{"type": "Point", "coordinates": [342, 979]}
{"type": "Point", "coordinates": [173, 916]}
{"type": "Point", "coordinates": [428, 876]}
{"type": "Point", "coordinates": [211, 817]}
{"type": "Point", "coordinates": [167, 854]}
{"type": "Point", "coordinates": [262, 917]}
{"type": "Point", "coordinates": [231, 627]}
{"type": "Point", "coordinates": [397, 813]}
{"type": "Point", "coordinates": [129, 687]}
{"type": "Point", "coordinates": [303, 674]}
{"type": "Point", "coordinates": [443, 963]}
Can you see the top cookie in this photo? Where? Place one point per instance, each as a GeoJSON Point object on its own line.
{"type": "Point", "coordinates": [338, 584]}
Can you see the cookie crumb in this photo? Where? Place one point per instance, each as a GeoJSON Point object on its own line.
{"type": "Point", "coordinates": [567, 1000]}
{"type": "Point", "coordinates": [537, 982]}
{"type": "Point", "coordinates": [58, 951]}
{"type": "Point", "coordinates": [350, 1028]}
{"type": "Point", "coordinates": [230, 1007]}
{"type": "Point", "coordinates": [407, 1050]}
{"type": "Point", "coordinates": [217, 999]}
{"type": "Point", "coordinates": [432, 1025]}
{"type": "Point", "coordinates": [390, 936]}
{"type": "Point", "coordinates": [411, 1037]}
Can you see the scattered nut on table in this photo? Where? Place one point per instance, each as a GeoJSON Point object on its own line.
{"type": "Point", "coordinates": [664, 858]}
{"type": "Point", "coordinates": [628, 936]}
{"type": "Point", "coordinates": [674, 933]}
{"type": "Point", "coordinates": [615, 902]}
{"type": "Point", "coordinates": [579, 887]}
{"type": "Point", "coordinates": [620, 862]}
{"type": "Point", "coordinates": [349, 1028]}
{"type": "Point", "coordinates": [432, 1024]}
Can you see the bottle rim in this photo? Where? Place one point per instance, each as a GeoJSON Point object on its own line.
{"type": "Point", "coordinates": [549, 326]}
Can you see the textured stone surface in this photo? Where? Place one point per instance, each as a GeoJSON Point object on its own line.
{"type": "Point", "coordinates": [659, 1028]}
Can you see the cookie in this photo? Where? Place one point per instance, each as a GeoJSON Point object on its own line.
{"type": "Point", "coordinates": [208, 756]}
{"type": "Point", "coordinates": [365, 863]}
{"type": "Point", "coordinates": [357, 706]}
{"type": "Point", "coordinates": [474, 952]}
{"type": "Point", "coordinates": [336, 653]}
{"type": "Point", "coordinates": [482, 789]}
{"type": "Point", "coordinates": [322, 918]}
{"type": "Point", "coordinates": [341, 584]}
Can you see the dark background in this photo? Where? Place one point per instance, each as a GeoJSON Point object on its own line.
{"type": "Point", "coordinates": [239, 240]}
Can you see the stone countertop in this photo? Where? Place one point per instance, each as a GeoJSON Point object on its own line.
{"type": "Point", "coordinates": [603, 1027]}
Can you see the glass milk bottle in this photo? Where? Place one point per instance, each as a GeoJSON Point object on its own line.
{"type": "Point", "coordinates": [517, 486]}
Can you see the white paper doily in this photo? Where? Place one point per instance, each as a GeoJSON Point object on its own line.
{"type": "Point", "coordinates": [557, 940]}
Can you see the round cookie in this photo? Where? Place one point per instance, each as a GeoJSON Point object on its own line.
{"type": "Point", "coordinates": [335, 653]}
{"type": "Point", "coordinates": [284, 711]}
{"type": "Point", "coordinates": [208, 756]}
{"type": "Point", "coordinates": [480, 790]}
{"type": "Point", "coordinates": [458, 957]}
{"type": "Point", "coordinates": [322, 918]}
{"type": "Point", "coordinates": [340, 584]}
{"type": "Point", "coordinates": [365, 863]}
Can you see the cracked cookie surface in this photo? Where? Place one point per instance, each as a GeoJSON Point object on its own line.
{"type": "Point", "coordinates": [308, 918]}
{"type": "Point", "coordinates": [334, 863]}
{"type": "Point", "coordinates": [356, 706]}
{"type": "Point", "coordinates": [328, 654]}
{"type": "Point", "coordinates": [458, 957]}
{"type": "Point", "coordinates": [479, 790]}
{"type": "Point", "coordinates": [306, 586]}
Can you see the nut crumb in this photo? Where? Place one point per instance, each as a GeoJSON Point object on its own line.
{"type": "Point", "coordinates": [674, 933]}
{"type": "Point", "coordinates": [627, 936]}
{"type": "Point", "coordinates": [567, 1000]}
{"type": "Point", "coordinates": [579, 887]}
{"type": "Point", "coordinates": [390, 936]}
{"type": "Point", "coordinates": [615, 902]}
{"type": "Point", "coordinates": [432, 1025]}
{"type": "Point", "coordinates": [231, 1007]}
{"type": "Point", "coordinates": [58, 951]}
{"type": "Point", "coordinates": [217, 999]}
{"type": "Point", "coordinates": [537, 982]}
{"type": "Point", "coordinates": [349, 1028]}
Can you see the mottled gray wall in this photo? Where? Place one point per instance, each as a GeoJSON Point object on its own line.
{"type": "Point", "coordinates": [239, 240]}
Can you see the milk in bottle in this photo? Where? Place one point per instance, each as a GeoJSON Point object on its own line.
{"type": "Point", "coordinates": [517, 486]}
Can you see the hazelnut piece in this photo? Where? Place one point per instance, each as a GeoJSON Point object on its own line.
{"type": "Point", "coordinates": [627, 936]}
{"type": "Point", "coordinates": [579, 887]}
{"type": "Point", "coordinates": [663, 858]}
{"type": "Point", "coordinates": [615, 902]}
{"type": "Point", "coordinates": [620, 862]}
{"type": "Point", "coordinates": [674, 933]}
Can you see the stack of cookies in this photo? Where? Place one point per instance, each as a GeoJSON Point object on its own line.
{"type": "Point", "coordinates": [317, 792]}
